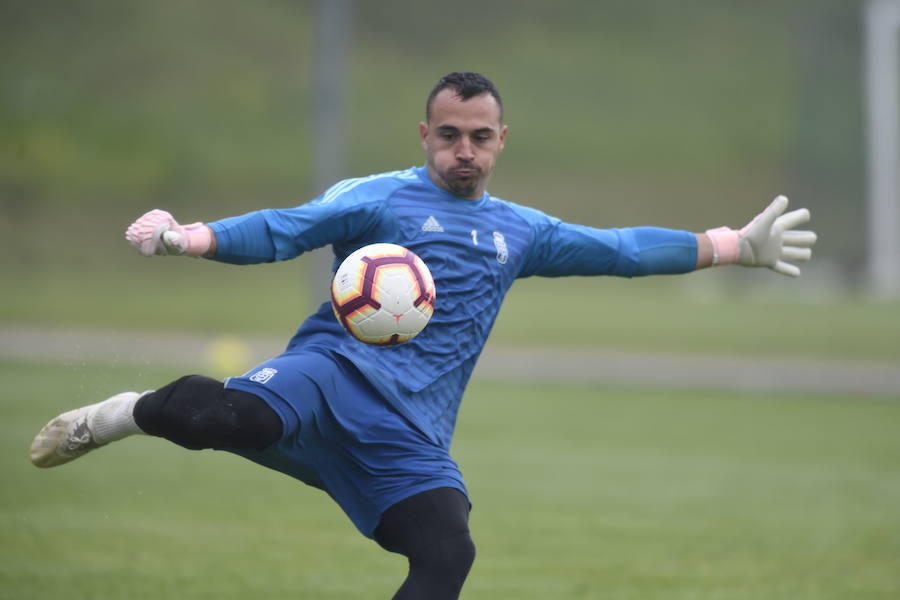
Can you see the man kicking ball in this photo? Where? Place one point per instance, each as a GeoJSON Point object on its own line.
{"type": "Point", "coordinates": [372, 425]}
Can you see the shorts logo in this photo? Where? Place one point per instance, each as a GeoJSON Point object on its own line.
{"type": "Point", "coordinates": [263, 375]}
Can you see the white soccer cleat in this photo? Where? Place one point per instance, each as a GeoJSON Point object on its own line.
{"type": "Point", "coordinates": [72, 434]}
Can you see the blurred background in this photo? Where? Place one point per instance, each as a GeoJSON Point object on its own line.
{"type": "Point", "coordinates": [686, 115]}
{"type": "Point", "coordinates": [731, 433]}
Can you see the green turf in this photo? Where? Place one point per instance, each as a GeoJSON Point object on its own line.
{"type": "Point", "coordinates": [697, 313]}
{"type": "Point", "coordinates": [579, 492]}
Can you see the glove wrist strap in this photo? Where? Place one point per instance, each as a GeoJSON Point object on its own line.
{"type": "Point", "coordinates": [198, 239]}
{"type": "Point", "coordinates": [726, 245]}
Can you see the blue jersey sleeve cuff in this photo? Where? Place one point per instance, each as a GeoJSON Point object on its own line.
{"type": "Point", "coordinates": [663, 251]}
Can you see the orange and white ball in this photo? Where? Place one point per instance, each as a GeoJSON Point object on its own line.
{"type": "Point", "coordinates": [383, 294]}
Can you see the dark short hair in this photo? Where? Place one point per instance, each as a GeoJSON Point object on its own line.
{"type": "Point", "coordinates": [465, 85]}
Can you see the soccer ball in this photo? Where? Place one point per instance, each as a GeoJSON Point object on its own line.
{"type": "Point", "coordinates": [383, 294]}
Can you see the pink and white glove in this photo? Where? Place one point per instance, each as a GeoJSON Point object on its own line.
{"type": "Point", "coordinates": [767, 241]}
{"type": "Point", "coordinates": [157, 232]}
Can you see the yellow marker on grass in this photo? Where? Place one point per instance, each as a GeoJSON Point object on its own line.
{"type": "Point", "coordinates": [228, 356]}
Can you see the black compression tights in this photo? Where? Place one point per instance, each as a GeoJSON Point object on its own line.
{"type": "Point", "coordinates": [432, 530]}
{"type": "Point", "coordinates": [197, 412]}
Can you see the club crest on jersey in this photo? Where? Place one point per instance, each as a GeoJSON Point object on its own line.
{"type": "Point", "coordinates": [431, 224]}
{"type": "Point", "coordinates": [502, 250]}
{"type": "Point", "coordinates": [263, 375]}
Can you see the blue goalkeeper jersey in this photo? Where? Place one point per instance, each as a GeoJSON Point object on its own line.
{"type": "Point", "coordinates": [475, 250]}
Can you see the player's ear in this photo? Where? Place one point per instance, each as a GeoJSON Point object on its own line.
{"type": "Point", "coordinates": [423, 131]}
{"type": "Point", "coordinates": [502, 136]}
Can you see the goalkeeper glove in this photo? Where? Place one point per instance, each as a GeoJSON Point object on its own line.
{"type": "Point", "coordinates": [769, 240]}
{"type": "Point", "coordinates": [157, 232]}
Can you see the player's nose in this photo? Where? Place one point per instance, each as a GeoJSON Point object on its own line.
{"type": "Point", "coordinates": [464, 150]}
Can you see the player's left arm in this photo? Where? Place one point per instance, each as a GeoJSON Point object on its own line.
{"type": "Point", "coordinates": [769, 240]}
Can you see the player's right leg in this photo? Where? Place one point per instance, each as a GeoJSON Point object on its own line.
{"type": "Point", "coordinates": [196, 412]}
{"type": "Point", "coordinates": [77, 432]}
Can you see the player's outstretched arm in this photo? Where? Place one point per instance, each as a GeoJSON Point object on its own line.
{"type": "Point", "coordinates": [157, 232]}
{"type": "Point", "coordinates": [769, 240]}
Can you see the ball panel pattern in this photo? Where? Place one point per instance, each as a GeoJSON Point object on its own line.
{"type": "Point", "coordinates": [383, 294]}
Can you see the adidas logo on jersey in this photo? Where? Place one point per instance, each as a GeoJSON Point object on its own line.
{"type": "Point", "coordinates": [431, 224]}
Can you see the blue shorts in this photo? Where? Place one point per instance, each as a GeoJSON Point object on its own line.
{"type": "Point", "coordinates": [342, 436]}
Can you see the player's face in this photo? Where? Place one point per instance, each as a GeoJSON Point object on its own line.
{"type": "Point", "coordinates": [462, 139]}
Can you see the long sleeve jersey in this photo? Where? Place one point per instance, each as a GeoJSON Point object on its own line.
{"type": "Point", "coordinates": [475, 250]}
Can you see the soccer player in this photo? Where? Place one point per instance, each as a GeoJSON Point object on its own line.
{"type": "Point", "coordinates": [371, 425]}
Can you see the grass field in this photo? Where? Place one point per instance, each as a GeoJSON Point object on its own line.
{"type": "Point", "coordinates": [579, 492]}
{"type": "Point", "coordinates": [723, 311]}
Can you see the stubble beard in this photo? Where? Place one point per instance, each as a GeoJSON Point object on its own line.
{"type": "Point", "coordinates": [463, 186]}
